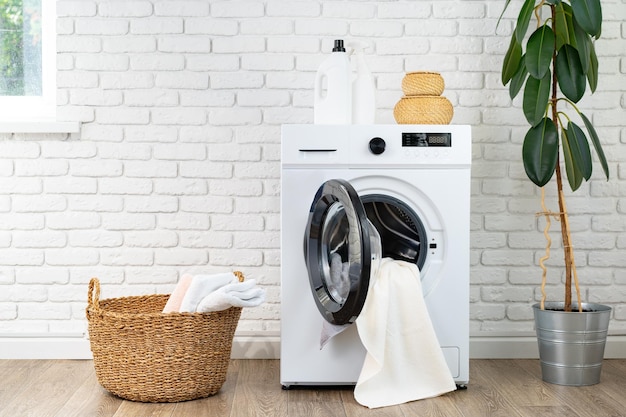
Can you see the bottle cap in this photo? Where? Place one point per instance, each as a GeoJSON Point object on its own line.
{"type": "Point", "coordinates": [339, 46]}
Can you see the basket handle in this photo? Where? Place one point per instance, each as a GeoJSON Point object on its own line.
{"type": "Point", "coordinates": [94, 299]}
{"type": "Point", "coordinates": [239, 275]}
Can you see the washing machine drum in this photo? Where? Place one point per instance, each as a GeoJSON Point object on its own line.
{"type": "Point", "coordinates": [345, 238]}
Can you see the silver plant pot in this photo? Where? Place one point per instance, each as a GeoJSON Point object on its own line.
{"type": "Point", "coordinates": [571, 345]}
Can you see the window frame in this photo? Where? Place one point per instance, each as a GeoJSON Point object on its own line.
{"type": "Point", "coordinates": [16, 110]}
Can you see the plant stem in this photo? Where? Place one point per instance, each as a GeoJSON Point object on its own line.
{"type": "Point", "coordinates": [546, 234]}
{"type": "Point", "coordinates": [565, 234]}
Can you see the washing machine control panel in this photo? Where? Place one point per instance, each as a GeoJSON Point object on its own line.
{"type": "Point", "coordinates": [364, 146]}
{"type": "Point", "coordinates": [413, 140]}
{"type": "Point", "coordinates": [405, 147]}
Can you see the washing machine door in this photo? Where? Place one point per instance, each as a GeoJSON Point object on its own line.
{"type": "Point", "coordinates": [342, 249]}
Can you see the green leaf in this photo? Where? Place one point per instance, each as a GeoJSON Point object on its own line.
{"type": "Point", "coordinates": [553, 1]}
{"type": "Point", "coordinates": [512, 61]}
{"type": "Point", "coordinates": [570, 75]}
{"type": "Point", "coordinates": [564, 25]}
{"type": "Point", "coordinates": [596, 144]}
{"type": "Point", "coordinates": [574, 176]}
{"type": "Point", "coordinates": [518, 80]}
{"type": "Point", "coordinates": [540, 152]}
{"type": "Point", "coordinates": [523, 20]}
{"type": "Point", "coordinates": [588, 13]}
{"type": "Point", "coordinates": [583, 45]}
{"type": "Point", "coordinates": [580, 149]}
{"type": "Point", "coordinates": [536, 98]}
{"type": "Point", "coordinates": [592, 72]}
{"type": "Point", "coordinates": [502, 14]}
{"type": "Point", "coordinates": [539, 50]}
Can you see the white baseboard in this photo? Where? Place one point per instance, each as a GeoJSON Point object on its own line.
{"type": "Point", "coordinates": [30, 347]}
{"type": "Point", "coordinates": [72, 347]}
{"type": "Point", "coordinates": [256, 347]}
{"type": "Point", "coordinates": [268, 347]}
{"type": "Point", "coordinates": [525, 347]}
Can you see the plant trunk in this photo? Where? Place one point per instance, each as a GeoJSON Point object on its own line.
{"type": "Point", "coordinates": [567, 247]}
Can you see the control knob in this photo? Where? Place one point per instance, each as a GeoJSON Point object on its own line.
{"type": "Point", "coordinates": [377, 145]}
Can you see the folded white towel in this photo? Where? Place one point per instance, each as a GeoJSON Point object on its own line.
{"type": "Point", "coordinates": [404, 361]}
{"type": "Point", "coordinates": [238, 294]}
{"type": "Point", "coordinates": [201, 286]}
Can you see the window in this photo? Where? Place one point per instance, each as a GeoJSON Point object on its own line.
{"type": "Point", "coordinates": [27, 60]}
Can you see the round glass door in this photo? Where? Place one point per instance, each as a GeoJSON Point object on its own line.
{"type": "Point", "coordinates": [342, 249]}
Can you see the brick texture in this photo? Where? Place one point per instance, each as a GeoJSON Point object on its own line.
{"type": "Point", "coordinates": [177, 165]}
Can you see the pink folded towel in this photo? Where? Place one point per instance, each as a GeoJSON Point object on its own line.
{"type": "Point", "coordinates": [176, 299]}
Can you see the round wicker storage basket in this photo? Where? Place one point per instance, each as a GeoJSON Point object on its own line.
{"type": "Point", "coordinates": [422, 84]}
{"type": "Point", "coordinates": [141, 354]}
{"type": "Point", "coordinates": [429, 110]}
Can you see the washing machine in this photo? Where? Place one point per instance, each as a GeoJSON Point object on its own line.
{"type": "Point", "coordinates": [363, 192]}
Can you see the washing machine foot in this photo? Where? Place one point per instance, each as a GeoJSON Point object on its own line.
{"type": "Point", "coordinates": [461, 386]}
{"type": "Point", "coordinates": [286, 387]}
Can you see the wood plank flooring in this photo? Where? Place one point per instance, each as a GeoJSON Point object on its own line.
{"type": "Point", "coordinates": [68, 388]}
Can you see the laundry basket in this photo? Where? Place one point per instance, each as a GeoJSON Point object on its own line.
{"type": "Point", "coordinates": [141, 354]}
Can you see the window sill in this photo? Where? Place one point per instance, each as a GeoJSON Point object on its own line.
{"type": "Point", "coordinates": [39, 127]}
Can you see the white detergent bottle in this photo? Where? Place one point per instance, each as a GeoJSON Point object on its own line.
{"type": "Point", "coordinates": [363, 89]}
{"type": "Point", "coordinates": [332, 95]}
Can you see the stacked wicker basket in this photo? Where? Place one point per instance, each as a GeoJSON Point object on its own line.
{"type": "Point", "coordinates": [422, 102]}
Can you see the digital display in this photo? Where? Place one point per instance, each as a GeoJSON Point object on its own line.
{"type": "Point", "coordinates": [426, 139]}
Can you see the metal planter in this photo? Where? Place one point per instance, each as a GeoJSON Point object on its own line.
{"type": "Point", "coordinates": [571, 345]}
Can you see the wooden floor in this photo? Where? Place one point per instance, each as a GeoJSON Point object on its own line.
{"type": "Point", "coordinates": [67, 388]}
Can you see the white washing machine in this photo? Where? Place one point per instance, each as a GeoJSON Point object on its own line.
{"type": "Point", "coordinates": [412, 184]}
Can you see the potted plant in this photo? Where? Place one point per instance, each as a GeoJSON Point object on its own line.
{"type": "Point", "coordinates": [553, 66]}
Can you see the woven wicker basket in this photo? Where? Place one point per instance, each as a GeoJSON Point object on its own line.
{"type": "Point", "coordinates": [141, 354]}
{"type": "Point", "coordinates": [422, 84]}
{"type": "Point", "coordinates": [428, 110]}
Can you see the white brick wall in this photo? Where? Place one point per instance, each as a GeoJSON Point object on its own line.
{"type": "Point", "coordinates": [176, 168]}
